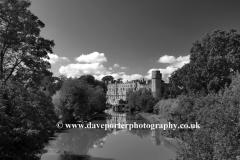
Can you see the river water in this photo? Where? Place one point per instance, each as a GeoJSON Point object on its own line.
{"type": "Point", "coordinates": [111, 144]}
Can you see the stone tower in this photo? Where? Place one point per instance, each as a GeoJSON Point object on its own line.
{"type": "Point", "coordinates": [156, 83]}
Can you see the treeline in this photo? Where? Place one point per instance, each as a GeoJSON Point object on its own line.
{"type": "Point", "coordinates": [79, 98]}
{"type": "Point", "coordinates": [209, 92]}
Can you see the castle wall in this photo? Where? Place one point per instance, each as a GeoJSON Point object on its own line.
{"type": "Point", "coordinates": [118, 91]}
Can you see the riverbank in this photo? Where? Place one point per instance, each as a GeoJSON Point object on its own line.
{"type": "Point", "coordinates": [157, 119]}
{"type": "Point", "coordinates": [153, 118]}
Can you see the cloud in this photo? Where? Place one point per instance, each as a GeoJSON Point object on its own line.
{"type": "Point", "coordinates": [131, 77]}
{"type": "Point", "coordinates": [175, 63]}
{"type": "Point", "coordinates": [166, 72]}
{"type": "Point", "coordinates": [172, 59]}
{"type": "Point", "coordinates": [99, 77]}
{"type": "Point", "coordinates": [94, 57]}
{"type": "Point", "coordinates": [167, 59]}
{"type": "Point", "coordinates": [122, 75]}
{"type": "Point", "coordinates": [78, 69]}
{"type": "Point", "coordinates": [116, 65]}
{"type": "Point", "coordinates": [92, 64]}
{"type": "Point", "coordinates": [55, 58]}
{"type": "Point", "coordinates": [123, 68]}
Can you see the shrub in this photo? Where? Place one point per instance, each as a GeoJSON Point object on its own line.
{"type": "Point", "coordinates": [27, 120]}
{"type": "Point", "coordinates": [218, 116]}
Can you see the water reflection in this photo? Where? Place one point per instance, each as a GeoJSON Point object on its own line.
{"type": "Point", "coordinates": [70, 156]}
{"type": "Point", "coordinates": [89, 144]}
{"type": "Point", "coordinates": [77, 142]}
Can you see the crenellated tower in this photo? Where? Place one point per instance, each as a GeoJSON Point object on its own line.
{"type": "Point", "coordinates": [156, 83]}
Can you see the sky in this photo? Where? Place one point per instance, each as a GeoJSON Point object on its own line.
{"type": "Point", "coordinates": [129, 38]}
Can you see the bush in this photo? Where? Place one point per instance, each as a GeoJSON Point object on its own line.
{"type": "Point", "coordinates": [218, 116]}
{"type": "Point", "coordinates": [165, 106]}
{"type": "Point", "coordinates": [27, 120]}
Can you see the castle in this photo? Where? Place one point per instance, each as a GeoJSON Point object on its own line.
{"type": "Point", "coordinates": [117, 91]}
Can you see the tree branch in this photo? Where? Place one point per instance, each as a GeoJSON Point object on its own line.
{"type": "Point", "coordinates": [12, 70]}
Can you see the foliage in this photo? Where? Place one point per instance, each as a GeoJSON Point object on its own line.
{"type": "Point", "coordinates": [22, 49]}
{"type": "Point", "coordinates": [119, 80]}
{"type": "Point", "coordinates": [77, 99]}
{"type": "Point", "coordinates": [218, 116]}
{"type": "Point", "coordinates": [165, 106]}
{"type": "Point", "coordinates": [27, 117]}
{"type": "Point", "coordinates": [121, 101]}
{"type": "Point", "coordinates": [213, 60]}
{"type": "Point", "coordinates": [141, 100]}
{"type": "Point", "coordinates": [107, 79]}
{"type": "Point", "coordinates": [89, 79]}
{"type": "Point", "coordinates": [27, 120]}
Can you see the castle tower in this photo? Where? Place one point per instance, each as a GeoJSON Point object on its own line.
{"type": "Point", "coordinates": [156, 83]}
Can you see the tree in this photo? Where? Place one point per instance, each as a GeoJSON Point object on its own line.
{"type": "Point", "coordinates": [97, 99]}
{"type": "Point", "coordinates": [89, 79]}
{"type": "Point", "coordinates": [77, 100]}
{"type": "Point", "coordinates": [22, 49]}
{"type": "Point", "coordinates": [213, 60]}
{"type": "Point", "coordinates": [121, 101]}
{"type": "Point", "coordinates": [119, 80]}
{"type": "Point", "coordinates": [27, 117]}
{"type": "Point", "coordinates": [141, 100]}
{"type": "Point", "coordinates": [218, 116]}
{"type": "Point", "coordinates": [107, 79]}
{"type": "Point", "coordinates": [27, 120]}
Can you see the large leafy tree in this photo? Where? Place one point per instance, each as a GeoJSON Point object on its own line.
{"type": "Point", "coordinates": [22, 49]}
{"type": "Point", "coordinates": [213, 60]}
{"type": "Point", "coordinates": [90, 79]}
{"type": "Point", "coordinates": [218, 116]}
{"type": "Point", "coordinates": [77, 99]}
{"type": "Point", "coordinates": [27, 118]}
{"type": "Point", "coordinates": [107, 79]}
{"type": "Point", "coordinates": [141, 100]}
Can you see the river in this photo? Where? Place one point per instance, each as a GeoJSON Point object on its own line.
{"type": "Point", "coordinates": [111, 144]}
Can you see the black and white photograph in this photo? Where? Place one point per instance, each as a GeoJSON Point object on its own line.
{"type": "Point", "coordinates": [119, 79]}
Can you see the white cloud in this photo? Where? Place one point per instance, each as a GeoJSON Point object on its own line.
{"type": "Point", "coordinates": [55, 58]}
{"type": "Point", "coordinates": [172, 59]}
{"type": "Point", "coordinates": [123, 67]}
{"type": "Point", "coordinates": [116, 65]}
{"type": "Point", "coordinates": [99, 77]}
{"type": "Point", "coordinates": [76, 70]}
{"type": "Point", "coordinates": [184, 58]}
{"type": "Point", "coordinates": [94, 57]}
{"type": "Point", "coordinates": [92, 65]}
{"type": "Point", "coordinates": [175, 63]}
{"type": "Point", "coordinates": [131, 77]}
{"type": "Point", "coordinates": [122, 75]}
{"type": "Point", "coordinates": [167, 59]}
